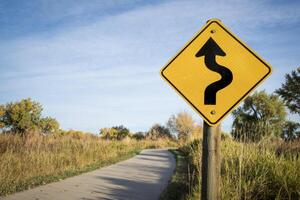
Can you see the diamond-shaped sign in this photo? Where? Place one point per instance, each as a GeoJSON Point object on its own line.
{"type": "Point", "coordinates": [215, 71]}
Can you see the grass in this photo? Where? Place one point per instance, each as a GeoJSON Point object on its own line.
{"type": "Point", "coordinates": [178, 186]}
{"type": "Point", "coordinates": [263, 171]}
{"type": "Point", "coordinates": [30, 161]}
{"type": "Point", "coordinates": [259, 172]}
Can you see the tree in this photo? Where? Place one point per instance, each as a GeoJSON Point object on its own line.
{"type": "Point", "coordinates": [108, 133]}
{"type": "Point", "coordinates": [48, 125]}
{"type": "Point", "coordinates": [183, 125]}
{"type": "Point", "coordinates": [290, 130]}
{"type": "Point", "coordinates": [122, 132]}
{"type": "Point", "coordinates": [25, 115]}
{"type": "Point", "coordinates": [260, 115]}
{"type": "Point", "coordinates": [158, 131]}
{"type": "Point", "coordinates": [22, 116]}
{"type": "Point", "coordinates": [114, 133]}
{"type": "Point", "coordinates": [138, 136]}
{"type": "Point", "coordinates": [290, 91]}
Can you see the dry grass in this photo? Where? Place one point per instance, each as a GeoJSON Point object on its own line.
{"type": "Point", "coordinates": [251, 170]}
{"type": "Point", "coordinates": [256, 171]}
{"type": "Point", "coordinates": [35, 160]}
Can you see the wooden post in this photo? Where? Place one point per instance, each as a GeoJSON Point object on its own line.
{"type": "Point", "coordinates": [211, 162]}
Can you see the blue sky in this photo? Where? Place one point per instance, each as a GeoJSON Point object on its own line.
{"type": "Point", "coordinates": [95, 63]}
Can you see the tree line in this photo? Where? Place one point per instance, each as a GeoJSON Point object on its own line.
{"type": "Point", "coordinates": [261, 115]}
{"type": "Point", "coordinates": [180, 127]}
{"type": "Point", "coordinates": [25, 116]}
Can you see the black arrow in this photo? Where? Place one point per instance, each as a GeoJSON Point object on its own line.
{"type": "Point", "coordinates": [209, 50]}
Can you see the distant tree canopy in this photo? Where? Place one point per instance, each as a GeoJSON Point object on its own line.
{"type": "Point", "coordinates": [183, 125]}
{"type": "Point", "coordinates": [122, 131]}
{"type": "Point", "coordinates": [24, 116]}
{"type": "Point", "coordinates": [260, 115]}
{"type": "Point", "coordinates": [290, 91]}
{"type": "Point", "coordinates": [291, 130]}
{"type": "Point", "coordinates": [139, 136]}
{"type": "Point", "coordinates": [158, 131]}
{"type": "Point", "coordinates": [75, 134]}
{"type": "Point", "coordinates": [114, 133]}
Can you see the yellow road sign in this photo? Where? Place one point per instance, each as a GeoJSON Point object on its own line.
{"type": "Point", "coordinates": [215, 71]}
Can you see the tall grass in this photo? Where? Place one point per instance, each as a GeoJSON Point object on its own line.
{"type": "Point", "coordinates": [261, 172]}
{"type": "Point", "coordinates": [26, 162]}
{"type": "Point", "coordinates": [251, 170]}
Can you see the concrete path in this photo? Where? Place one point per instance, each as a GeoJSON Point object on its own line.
{"type": "Point", "coordinates": [142, 177]}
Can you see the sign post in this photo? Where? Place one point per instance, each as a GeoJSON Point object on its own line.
{"type": "Point", "coordinates": [211, 155]}
{"type": "Point", "coordinates": [213, 73]}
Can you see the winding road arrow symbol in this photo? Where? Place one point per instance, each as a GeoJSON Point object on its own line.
{"type": "Point", "coordinates": [209, 50]}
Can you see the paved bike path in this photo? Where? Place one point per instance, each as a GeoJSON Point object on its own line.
{"type": "Point", "coordinates": [142, 177]}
